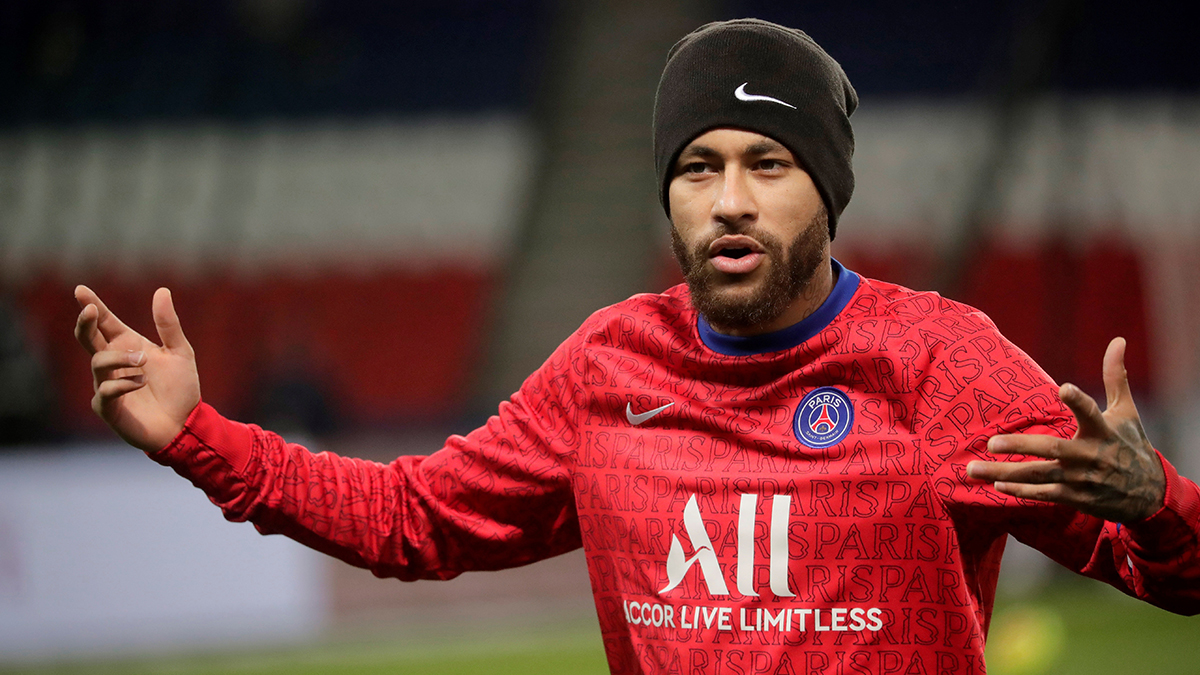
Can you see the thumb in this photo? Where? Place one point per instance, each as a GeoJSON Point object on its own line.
{"type": "Point", "coordinates": [1116, 379]}
{"type": "Point", "coordinates": [167, 322]}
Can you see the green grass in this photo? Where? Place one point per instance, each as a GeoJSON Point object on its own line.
{"type": "Point", "coordinates": [1074, 628]}
{"type": "Point", "coordinates": [565, 652]}
{"type": "Point", "coordinates": [1085, 628]}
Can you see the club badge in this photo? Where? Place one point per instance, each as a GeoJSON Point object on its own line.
{"type": "Point", "coordinates": [823, 418]}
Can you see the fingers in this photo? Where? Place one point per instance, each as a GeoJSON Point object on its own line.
{"type": "Point", "coordinates": [1017, 472]}
{"type": "Point", "coordinates": [86, 331]}
{"type": "Point", "coordinates": [170, 332]}
{"type": "Point", "coordinates": [110, 390]}
{"type": "Point", "coordinates": [1047, 481]}
{"type": "Point", "coordinates": [1050, 492]}
{"type": "Point", "coordinates": [108, 323]}
{"type": "Point", "coordinates": [105, 364]}
{"type": "Point", "coordinates": [1087, 412]}
{"type": "Point", "coordinates": [1116, 378]}
{"type": "Point", "coordinates": [1038, 445]}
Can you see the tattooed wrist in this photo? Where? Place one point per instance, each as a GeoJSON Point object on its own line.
{"type": "Point", "coordinates": [1145, 482]}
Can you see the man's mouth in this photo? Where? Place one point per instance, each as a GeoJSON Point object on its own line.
{"type": "Point", "coordinates": [735, 254]}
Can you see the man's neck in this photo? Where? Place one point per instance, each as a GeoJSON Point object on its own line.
{"type": "Point", "coordinates": [812, 297]}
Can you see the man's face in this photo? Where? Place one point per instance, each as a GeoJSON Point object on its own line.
{"type": "Point", "coordinates": [749, 230]}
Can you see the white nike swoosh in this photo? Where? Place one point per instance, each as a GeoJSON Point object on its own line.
{"type": "Point", "coordinates": [741, 95]}
{"type": "Point", "coordinates": [642, 417]}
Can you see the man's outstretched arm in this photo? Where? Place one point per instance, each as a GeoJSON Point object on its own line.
{"type": "Point", "coordinates": [1108, 470]}
{"type": "Point", "coordinates": [499, 497]}
{"type": "Point", "coordinates": [1131, 519]}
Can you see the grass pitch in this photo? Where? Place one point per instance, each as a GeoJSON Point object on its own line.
{"type": "Point", "coordinates": [565, 652]}
{"type": "Point", "coordinates": [1081, 627]}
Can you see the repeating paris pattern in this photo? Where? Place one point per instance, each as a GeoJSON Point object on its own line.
{"type": "Point", "coordinates": [717, 539]}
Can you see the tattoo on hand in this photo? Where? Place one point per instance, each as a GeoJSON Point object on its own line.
{"type": "Point", "coordinates": [1135, 484]}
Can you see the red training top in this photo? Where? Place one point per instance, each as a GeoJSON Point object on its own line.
{"type": "Point", "coordinates": [787, 503]}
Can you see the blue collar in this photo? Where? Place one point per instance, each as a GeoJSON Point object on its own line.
{"type": "Point", "coordinates": [786, 338]}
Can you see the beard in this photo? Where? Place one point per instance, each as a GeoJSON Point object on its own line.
{"type": "Point", "coordinates": [788, 276]}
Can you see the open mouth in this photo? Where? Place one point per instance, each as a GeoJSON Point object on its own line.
{"type": "Point", "coordinates": [734, 247]}
{"type": "Point", "coordinates": [735, 254]}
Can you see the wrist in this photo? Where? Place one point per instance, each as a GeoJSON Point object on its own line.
{"type": "Point", "coordinates": [1168, 528]}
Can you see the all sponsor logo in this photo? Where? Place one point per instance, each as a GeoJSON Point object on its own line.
{"type": "Point", "coordinates": [823, 418]}
{"type": "Point", "coordinates": [781, 618]}
{"type": "Point", "coordinates": [705, 557]}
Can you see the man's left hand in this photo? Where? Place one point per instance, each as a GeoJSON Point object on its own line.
{"type": "Point", "coordinates": [1108, 470]}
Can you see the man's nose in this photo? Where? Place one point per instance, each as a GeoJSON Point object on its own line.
{"type": "Point", "coordinates": [735, 203]}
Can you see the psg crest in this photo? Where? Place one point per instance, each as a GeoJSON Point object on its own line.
{"type": "Point", "coordinates": [823, 418]}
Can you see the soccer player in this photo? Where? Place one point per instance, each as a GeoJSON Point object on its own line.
{"type": "Point", "coordinates": [779, 467]}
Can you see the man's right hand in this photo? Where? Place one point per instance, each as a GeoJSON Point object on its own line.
{"type": "Point", "coordinates": [143, 391]}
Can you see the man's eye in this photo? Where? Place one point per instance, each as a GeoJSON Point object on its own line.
{"type": "Point", "coordinates": [770, 164]}
{"type": "Point", "coordinates": [695, 167]}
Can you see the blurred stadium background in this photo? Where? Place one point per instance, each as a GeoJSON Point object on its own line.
{"type": "Point", "coordinates": [376, 218]}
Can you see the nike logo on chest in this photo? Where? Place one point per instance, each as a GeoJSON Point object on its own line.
{"type": "Point", "coordinates": [637, 418]}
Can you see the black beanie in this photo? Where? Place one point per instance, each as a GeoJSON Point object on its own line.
{"type": "Point", "coordinates": [762, 77]}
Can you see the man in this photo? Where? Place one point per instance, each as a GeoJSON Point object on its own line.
{"type": "Point", "coordinates": [781, 468]}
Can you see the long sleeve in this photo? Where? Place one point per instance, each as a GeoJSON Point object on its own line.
{"type": "Point", "coordinates": [498, 497]}
{"type": "Point", "coordinates": [1155, 559]}
{"type": "Point", "coordinates": [1163, 551]}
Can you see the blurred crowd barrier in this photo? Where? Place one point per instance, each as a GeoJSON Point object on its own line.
{"type": "Point", "coordinates": [1091, 231]}
{"type": "Point", "coordinates": [324, 273]}
{"type": "Point", "coordinates": [104, 552]}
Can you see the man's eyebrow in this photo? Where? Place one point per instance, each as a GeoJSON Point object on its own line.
{"type": "Point", "coordinates": [764, 147]}
{"type": "Point", "coordinates": [698, 151]}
